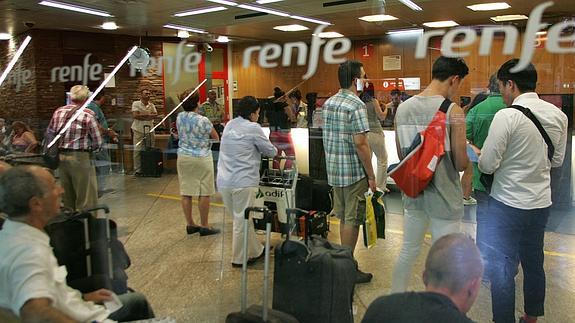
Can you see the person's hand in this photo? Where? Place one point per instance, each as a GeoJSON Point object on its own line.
{"type": "Point", "coordinates": [113, 135]}
{"type": "Point", "coordinates": [372, 185]}
{"type": "Point", "coordinates": [98, 296]}
{"type": "Point", "coordinates": [475, 149]}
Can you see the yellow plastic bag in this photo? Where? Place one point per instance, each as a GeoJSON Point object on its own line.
{"type": "Point", "coordinates": [374, 224]}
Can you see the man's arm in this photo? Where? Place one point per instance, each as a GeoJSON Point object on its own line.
{"type": "Point", "coordinates": [458, 140]}
{"type": "Point", "coordinates": [41, 310]}
{"type": "Point", "coordinates": [559, 154]}
{"type": "Point", "coordinates": [264, 144]}
{"type": "Point", "coordinates": [364, 153]}
{"type": "Point", "coordinates": [495, 144]}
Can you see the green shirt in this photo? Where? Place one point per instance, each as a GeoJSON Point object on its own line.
{"type": "Point", "coordinates": [477, 122]}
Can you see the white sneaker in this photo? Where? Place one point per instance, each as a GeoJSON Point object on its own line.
{"type": "Point", "coordinates": [469, 201]}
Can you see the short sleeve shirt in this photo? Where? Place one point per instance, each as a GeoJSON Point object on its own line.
{"type": "Point", "coordinates": [344, 116]}
{"type": "Point", "coordinates": [138, 125]}
{"type": "Point", "coordinates": [194, 134]}
{"type": "Point", "coordinates": [214, 112]}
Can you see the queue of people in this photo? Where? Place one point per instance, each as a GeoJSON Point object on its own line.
{"type": "Point", "coordinates": [512, 211]}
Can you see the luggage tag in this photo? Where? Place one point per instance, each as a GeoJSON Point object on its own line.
{"type": "Point", "coordinates": [114, 304]}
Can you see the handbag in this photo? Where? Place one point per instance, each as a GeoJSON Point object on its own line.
{"type": "Point", "coordinates": [416, 170]}
{"type": "Point", "coordinates": [487, 179]}
{"type": "Point", "coordinates": [51, 155]}
{"type": "Point", "coordinates": [374, 222]}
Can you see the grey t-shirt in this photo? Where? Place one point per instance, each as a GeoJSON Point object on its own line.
{"type": "Point", "coordinates": [442, 198]}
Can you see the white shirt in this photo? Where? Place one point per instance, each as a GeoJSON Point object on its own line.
{"type": "Point", "coordinates": [28, 269]}
{"type": "Point", "coordinates": [516, 153]}
{"type": "Point", "coordinates": [138, 125]}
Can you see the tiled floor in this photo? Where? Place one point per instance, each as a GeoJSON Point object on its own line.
{"type": "Point", "coordinates": [190, 277]}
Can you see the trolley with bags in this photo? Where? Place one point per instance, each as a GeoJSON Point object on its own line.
{"type": "Point", "coordinates": [90, 250]}
{"type": "Point", "coordinates": [257, 313]}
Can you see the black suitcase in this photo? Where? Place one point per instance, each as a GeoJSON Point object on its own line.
{"type": "Point", "coordinates": [257, 313]}
{"type": "Point", "coordinates": [314, 280]}
{"type": "Point", "coordinates": [313, 194]}
{"type": "Point", "coordinates": [152, 159]}
{"type": "Point", "coordinates": [90, 250]}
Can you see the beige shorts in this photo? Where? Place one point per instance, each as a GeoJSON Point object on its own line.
{"type": "Point", "coordinates": [196, 175]}
{"type": "Point", "coordinates": [349, 201]}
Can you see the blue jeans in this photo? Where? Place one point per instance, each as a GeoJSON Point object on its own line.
{"type": "Point", "coordinates": [135, 307]}
{"type": "Point", "coordinates": [481, 216]}
{"type": "Point", "coordinates": [512, 237]}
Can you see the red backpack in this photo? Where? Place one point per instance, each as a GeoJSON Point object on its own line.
{"type": "Point", "coordinates": [416, 169]}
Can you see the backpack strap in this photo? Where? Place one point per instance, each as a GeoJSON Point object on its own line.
{"type": "Point", "coordinates": [533, 118]}
{"type": "Point", "coordinates": [445, 105]}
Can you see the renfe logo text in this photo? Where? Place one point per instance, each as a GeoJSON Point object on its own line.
{"type": "Point", "coordinates": [554, 39]}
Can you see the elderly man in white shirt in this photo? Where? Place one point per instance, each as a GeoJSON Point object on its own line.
{"type": "Point", "coordinates": [33, 285]}
{"type": "Point", "coordinates": [144, 112]}
{"type": "Point", "coordinates": [517, 155]}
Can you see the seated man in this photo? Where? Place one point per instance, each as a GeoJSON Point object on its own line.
{"type": "Point", "coordinates": [452, 278]}
{"type": "Point", "coordinates": [33, 285]}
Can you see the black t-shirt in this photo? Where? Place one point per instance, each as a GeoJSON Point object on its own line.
{"type": "Point", "coordinates": [414, 307]}
{"type": "Point", "coordinates": [277, 117]}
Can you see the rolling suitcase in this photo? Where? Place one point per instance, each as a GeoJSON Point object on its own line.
{"type": "Point", "coordinates": [322, 271]}
{"type": "Point", "coordinates": [89, 248]}
{"type": "Point", "coordinates": [257, 313]}
{"type": "Point", "coordinates": [152, 159]}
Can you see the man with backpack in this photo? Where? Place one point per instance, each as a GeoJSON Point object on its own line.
{"type": "Point", "coordinates": [439, 206]}
{"type": "Point", "coordinates": [523, 143]}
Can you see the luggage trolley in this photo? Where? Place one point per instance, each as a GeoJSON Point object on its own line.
{"type": "Point", "coordinates": [277, 188]}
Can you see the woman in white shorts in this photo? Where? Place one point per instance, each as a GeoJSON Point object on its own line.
{"type": "Point", "coordinates": [195, 166]}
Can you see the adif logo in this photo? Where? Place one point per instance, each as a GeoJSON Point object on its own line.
{"type": "Point", "coordinates": [554, 39]}
{"type": "Point", "coordinates": [268, 53]}
{"type": "Point", "coordinates": [259, 194]}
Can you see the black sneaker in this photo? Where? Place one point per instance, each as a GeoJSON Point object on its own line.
{"type": "Point", "coordinates": [361, 277]}
{"type": "Point", "coordinates": [208, 231]}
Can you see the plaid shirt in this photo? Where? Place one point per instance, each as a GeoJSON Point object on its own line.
{"type": "Point", "coordinates": [344, 115]}
{"type": "Point", "coordinates": [83, 133]}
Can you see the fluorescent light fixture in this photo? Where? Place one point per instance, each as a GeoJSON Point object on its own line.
{"type": "Point", "coordinates": [15, 58]}
{"type": "Point", "coordinates": [508, 18]}
{"type": "Point", "coordinates": [541, 33]}
{"type": "Point", "coordinates": [267, 1]}
{"type": "Point", "coordinates": [199, 11]}
{"type": "Point", "coordinates": [315, 21]}
{"type": "Point", "coordinates": [489, 6]}
{"type": "Point", "coordinates": [191, 45]}
{"type": "Point", "coordinates": [376, 18]}
{"type": "Point", "coordinates": [5, 36]}
{"type": "Point", "coordinates": [291, 28]}
{"type": "Point", "coordinates": [223, 39]}
{"type": "Point", "coordinates": [226, 2]}
{"type": "Point", "coordinates": [110, 25]}
{"type": "Point", "coordinates": [76, 8]}
{"type": "Point", "coordinates": [413, 31]}
{"type": "Point", "coordinates": [266, 10]}
{"type": "Point", "coordinates": [411, 5]}
{"type": "Point", "coordinates": [183, 34]}
{"type": "Point", "coordinates": [179, 27]}
{"type": "Point", "coordinates": [329, 34]}
{"type": "Point", "coordinates": [441, 24]}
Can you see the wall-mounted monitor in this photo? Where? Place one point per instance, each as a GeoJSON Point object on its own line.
{"type": "Point", "coordinates": [411, 83]}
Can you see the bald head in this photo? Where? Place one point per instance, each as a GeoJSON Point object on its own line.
{"type": "Point", "coordinates": [453, 261]}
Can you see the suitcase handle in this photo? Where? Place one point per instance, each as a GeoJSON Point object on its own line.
{"type": "Point", "coordinates": [298, 213]}
{"type": "Point", "coordinates": [268, 220]}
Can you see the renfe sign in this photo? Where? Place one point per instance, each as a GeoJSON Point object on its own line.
{"type": "Point", "coordinates": [554, 38]}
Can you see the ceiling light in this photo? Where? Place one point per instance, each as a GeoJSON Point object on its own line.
{"type": "Point", "coordinates": [191, 45]}
{"type": "Point", "coordinates": [183, 34]}
{"type": "Point", "coordinates": [5, 36]}
{"type": "Point", "coordinates": [441, 24]}
{"type": "Point", "coordinates": [199, 11]}
{"type": "Point", "coordinates": [315, 21]}
{"type": "Point", "coordinates": [405, 31]}
{"type": "Point", "coordinates": [179, 27]}
{"type": "Point", "coordinates": [110, 25]}
{"type": "Point", "coordinates": [226, 2]}
{"type": "Point", "coordinates": [266, 10]}
{"type": "Point", "coordinates": [411, 5]}
{"type": "Point", "coordinates": [223, 39]}
{"type": "Point", "coordinates": [291, 28]}
{"type": "Point", "coordinates": [376, 18]}
{"type": "Point", "coordinates": [489, 6]}
{"type": "Point", "coordinates": [329, 34]}
{"type": "Point", "coordinates": [541, 33]}
{"type": "Point", "coordinates": [267, 1]}
{"type": "Point", "coordinates": [508, 18]}
{"type": "Point", "coordinates": [76, 8]}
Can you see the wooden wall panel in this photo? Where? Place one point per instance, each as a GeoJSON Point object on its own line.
{"type": "Point", "coordinates": [554, 69]}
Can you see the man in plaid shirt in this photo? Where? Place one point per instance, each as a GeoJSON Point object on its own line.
{"type": "Point", "coordinates": [347, 154]}
{"type": "Point", "coordinates": [77, 173]}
